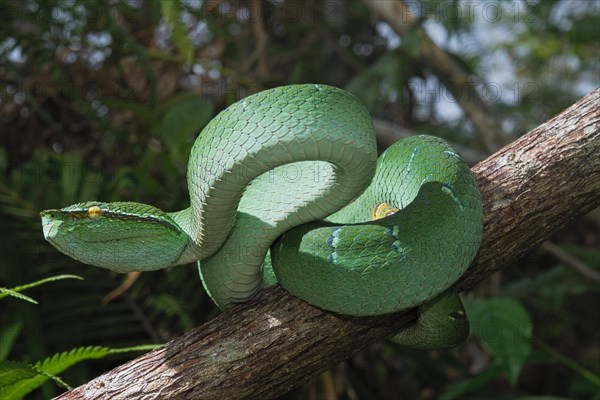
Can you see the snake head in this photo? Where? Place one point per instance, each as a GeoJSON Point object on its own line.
{"type": "Point", "coordinates": [121, 236]}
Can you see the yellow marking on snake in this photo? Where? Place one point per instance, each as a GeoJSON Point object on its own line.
{"type": "Point", "coordinates": [382, 210]}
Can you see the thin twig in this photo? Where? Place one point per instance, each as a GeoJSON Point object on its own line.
{"type": "Point", "coordinates": [389, 133]}
{"type": "Point", "coordinates": [571, 261]}
{"type": "Point", "coordinates": [260, 36]}
{"type": "Point", "coordinates": [462, 86]}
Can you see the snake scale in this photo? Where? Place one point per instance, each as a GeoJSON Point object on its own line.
{"type": "Point", "coordinates": [285, 186]}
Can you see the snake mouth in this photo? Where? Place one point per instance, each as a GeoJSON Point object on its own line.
{"type": "Point", "coordinates": [116, 240]}
{"type": "Point", "coordinates": [50, 227]}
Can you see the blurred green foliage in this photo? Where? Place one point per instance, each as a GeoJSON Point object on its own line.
{"type": "Point", "coordinates": [102, 100]}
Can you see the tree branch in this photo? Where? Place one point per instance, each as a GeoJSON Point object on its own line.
{"type": "Point", "coordinates": [388, 133]}
{"type": "Point", "coordinates": [263, 348]}
{"type": "Point", "coordinates": [463, 87]}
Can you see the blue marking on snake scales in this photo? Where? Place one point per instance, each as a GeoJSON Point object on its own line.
{"type": "Point", "coordinates": [333, 258]}
{"type": "Point", "coordinates": [333, 240]}
{"type": "Point", "coordinates": [449, 189]}
{"type": "Point", "coordinates": [382, 157]}
{"type": "Point", "coordinates": [428, 178]}
{"type": "Point", "coordinates": [396, 247]}
{"type": "Point", "coordinates": [412, 157]}
{"type": "Point", "coordinates": [392, 230]}
{"type": "Point", "coordinates": [451, 153]}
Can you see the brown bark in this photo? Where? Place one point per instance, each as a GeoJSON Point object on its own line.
{"type": "Point", "coordinates": [263, 348]}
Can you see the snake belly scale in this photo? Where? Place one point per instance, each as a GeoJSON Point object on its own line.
{"type": "Point", "coordinates": [285, 186]}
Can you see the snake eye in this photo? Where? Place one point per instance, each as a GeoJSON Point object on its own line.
{"type": "Point", "coordinates": [94, 212]}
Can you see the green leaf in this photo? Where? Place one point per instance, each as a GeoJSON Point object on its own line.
{"type": "Point", "coordinates": [18, 379]}
{"type": "Point", "coordinates": [14, 292]}
{"type": "Point", "coordinates": [183, 119]}
{"type": "Point", "coordinates": [140, 110]}
{"type": "Point", "coordinates": [9, 332]}
{"type": "Point", "coordinates": [122, 36]}
{"type": "Point", "coordinates": [179, 36]}
{"type": "Point", "coordinates": [584, 373]}
{"type": "Point", "coordinates": [504, 328]}
{"type": "Point", "coordinates": [12, 372]}
{"type": "Point", "coordinates": [5, 292]}
{"type": "Point", "coordinates": [387, 74]}
{"type": "Point", "coordinates": [458, 390]}
{"type": "Point", "coordinates": [70, 176]}
{"type": "Point", "coordinates": [46, 280]}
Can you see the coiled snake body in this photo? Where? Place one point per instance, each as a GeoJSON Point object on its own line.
{"type": "Point", "coordinates": [294, 170]}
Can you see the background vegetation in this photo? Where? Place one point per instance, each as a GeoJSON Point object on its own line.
{"type": "Point", "coordinates": [102, 100]}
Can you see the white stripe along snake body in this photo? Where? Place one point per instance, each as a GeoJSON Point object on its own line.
{"type": "Point", "coordinates": [294, 169]}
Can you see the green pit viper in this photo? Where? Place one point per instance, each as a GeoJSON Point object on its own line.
{"type": "Point", "coordinates": [285, 186]}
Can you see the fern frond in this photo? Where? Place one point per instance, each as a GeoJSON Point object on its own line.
{"type": "Point", "coordinates": [18, 379]}
{"type": "Point", "coordinates": [46, 280]}
{"type": "Point", "coordinates": [12, 372]}
{"type": "Point", "coordinates": [14, 292]}
{"type": "Point", "coordinates": [6, 292]}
